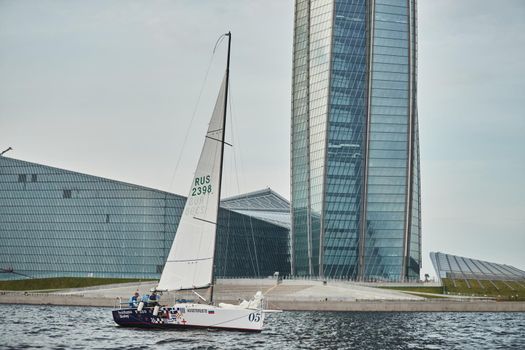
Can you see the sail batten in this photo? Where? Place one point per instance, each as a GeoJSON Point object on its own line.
{"type": "Point", "coordinates": [204, 220]}
{"type": "Point", "coordinates": [190, 260]}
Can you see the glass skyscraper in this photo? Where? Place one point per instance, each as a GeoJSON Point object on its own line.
{"type": "Point", "coordinates": [356, 209]}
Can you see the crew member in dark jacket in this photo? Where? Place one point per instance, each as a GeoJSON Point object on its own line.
{"type": "Point", "coordinates": [154, 299]}
{"type": "Point", "coordinates": [134, 300]}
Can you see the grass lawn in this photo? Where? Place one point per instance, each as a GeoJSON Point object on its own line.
{"type": "Point", "coordinates": [428, 296]}
{"type": "Point", "coordinates": [60, 283]}
{"type": "Point", "coordinates": [422, 289]}
{"type": "Point", "coordinates": [502, 290]}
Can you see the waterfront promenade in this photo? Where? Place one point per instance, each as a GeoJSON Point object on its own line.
{"type": "Point", "coordinates": [290, 295]}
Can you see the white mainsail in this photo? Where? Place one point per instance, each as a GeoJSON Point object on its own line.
{"type": "Point", "coordinates": [190, 261]}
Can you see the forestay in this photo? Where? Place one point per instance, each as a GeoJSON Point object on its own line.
{"type": "Point", "coordinates": [190, 261]}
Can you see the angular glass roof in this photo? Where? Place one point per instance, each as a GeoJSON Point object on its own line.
{"type": "Point", "coordinates": [265, 205]}
{"type": "Point", "coordinates": [259, 200]}
{"type": "Point", "coordinates": [453, 266]}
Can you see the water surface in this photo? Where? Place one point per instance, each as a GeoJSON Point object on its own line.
{"type": "Point", "coordinates": [55, 327]}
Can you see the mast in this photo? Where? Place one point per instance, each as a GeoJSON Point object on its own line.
{"type": "Point", "coordinates": [229, 35]}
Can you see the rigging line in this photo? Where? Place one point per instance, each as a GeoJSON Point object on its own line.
{"type": "Point", "coordinates": [258, 272]}
{"type": "Point", "coordinates": [225, 257]}
{"type": "Point", "coordinates": [236, 177]}
{"type": "Point", "coordinates": [219, 41]}
{"type": "Point", "coordinates": [254, 269]}
{"type": "Point", "coordinates": [192, 119]}
{"type": "Point", "coordinates": [227, 229]}
{"type": "Point", "coordinates": [255, 249]}
{"type": "Point", "coordinates": [233, 133]}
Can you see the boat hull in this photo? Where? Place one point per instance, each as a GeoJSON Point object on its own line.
{"type": "Point", "coordinates": [189, 315]}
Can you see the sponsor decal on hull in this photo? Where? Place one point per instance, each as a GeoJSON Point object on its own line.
{"type": "Point", "coordinates": [175, 318]}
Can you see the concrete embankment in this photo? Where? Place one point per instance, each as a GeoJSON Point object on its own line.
{"type": "Point", "coordinates": [402, 306]}
{"type": "Point", "coordinates": [54, 299]}
{"type": "Point", "coordinates": [431, 305]}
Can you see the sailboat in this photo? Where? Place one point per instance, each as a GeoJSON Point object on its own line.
{"type": "Point", "coordinates": [190, 262]}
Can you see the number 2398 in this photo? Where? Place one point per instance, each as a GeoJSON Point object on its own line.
{"type": "Point", "coordinates": [196, 191]}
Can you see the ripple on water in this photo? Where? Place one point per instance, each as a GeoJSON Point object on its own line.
{"type": "Point", "coordinates": [26, 326]}
{"type": "Point", "coordinates": [175, 340]}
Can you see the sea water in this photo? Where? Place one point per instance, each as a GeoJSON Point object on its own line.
{"type": "Point", "coordinates": [56, 327]}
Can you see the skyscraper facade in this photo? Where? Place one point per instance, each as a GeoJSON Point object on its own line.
{"type": "Point", "coordinates": [355, 188]}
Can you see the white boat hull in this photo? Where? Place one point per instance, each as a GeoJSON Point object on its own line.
{"type": "Point", "coordinates": [192, 315]}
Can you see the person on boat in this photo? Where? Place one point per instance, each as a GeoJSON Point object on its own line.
{"type": "Point", "coordinates": [134, 300]}
{"type": "Point", "coordinates": [154, 298]}
{"type": "Point", "coordinates": [145, 299]}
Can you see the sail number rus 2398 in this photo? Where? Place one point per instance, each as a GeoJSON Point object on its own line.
{"type": "Point", "coordinates": [201, 186]}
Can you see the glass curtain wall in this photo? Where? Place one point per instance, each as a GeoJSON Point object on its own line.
{"type": "Point", "coordinates": [320, 46]}
{"type": "Point", "coordinates": [414, 259]}
{"type": "Point", "coordinates": [355, 148]}
{"type": "Point", "coordinates": [59, 223]}
{"type": "Point", "coordinates": [312, 45]}
{"type": "Point", "coordinates": [346, 141]}
{"type": "Point", "coordinates": [300, 207]}
{"type": "Point", "coordinates": [389, 141]}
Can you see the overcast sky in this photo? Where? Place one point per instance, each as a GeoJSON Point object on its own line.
{"type": "Point", "coordinates": [110, 88]}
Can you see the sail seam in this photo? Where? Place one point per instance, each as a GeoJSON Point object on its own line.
{"type": "Point", "coordinates": [190, 260]}
{"type": "Point", "coordinates": [193, 288]}
{"type": "Point", "coordinates": [212, 138]}
{"type": "Point", "coordinates": [208, 221]}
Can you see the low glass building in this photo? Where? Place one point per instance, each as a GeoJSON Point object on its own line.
{"type": "Point", "coordinates": [461, 268]}
{"type": "Point", "coordinates": [60, 223]}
